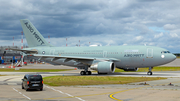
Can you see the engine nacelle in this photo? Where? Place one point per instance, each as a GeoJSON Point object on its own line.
{"type": "Point", "coordinates": [130, 69]}
{"type": "Point", "coordinates": [104, 67]}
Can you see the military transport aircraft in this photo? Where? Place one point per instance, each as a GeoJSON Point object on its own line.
{"type": "Point", "coordinates": [103, 59]}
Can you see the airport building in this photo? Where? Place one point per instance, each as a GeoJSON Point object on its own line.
{"type": "Point", "coordinates": [8, 56]}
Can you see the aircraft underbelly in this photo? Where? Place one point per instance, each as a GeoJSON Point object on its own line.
{"type": "Point", "coordinates": [134, 61]}
{"type": "Point", "coordinates": [131, 62]}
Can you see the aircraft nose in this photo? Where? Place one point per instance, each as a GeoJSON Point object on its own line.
{"type": "Point", "coordinates": [172, 57]}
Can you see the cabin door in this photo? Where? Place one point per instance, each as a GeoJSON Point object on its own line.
{"type": "Point", "coordinates": [105, 54]}
{"type": "Point", "coordinates": [149, 53]}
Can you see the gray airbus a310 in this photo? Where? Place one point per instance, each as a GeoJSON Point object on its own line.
{"type": "Point", "coordinates": [103, 59]}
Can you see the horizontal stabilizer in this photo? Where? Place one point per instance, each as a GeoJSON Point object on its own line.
{"type": "Point", "coordinates": [25, 51]}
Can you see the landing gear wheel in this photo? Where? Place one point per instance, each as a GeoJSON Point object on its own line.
{"type": "Point", "coordinates": [149, 73]}
{"type": "Point", "coordinates": [88, 73]}
{"type": "Point", "coordinates": [83, 73]}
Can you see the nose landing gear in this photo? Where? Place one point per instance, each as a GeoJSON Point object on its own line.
{"type": "Point", "coordinates": [150, 71]}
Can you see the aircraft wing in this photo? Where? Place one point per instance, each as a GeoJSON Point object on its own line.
{"type": "Point", "coordinates": [84, 60]}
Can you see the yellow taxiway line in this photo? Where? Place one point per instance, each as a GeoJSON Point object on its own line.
{"type": "Point", "coordinates": [111, 95]}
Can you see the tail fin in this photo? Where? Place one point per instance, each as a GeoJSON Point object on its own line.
{"type": "Point", "coordinates": [33, 37]}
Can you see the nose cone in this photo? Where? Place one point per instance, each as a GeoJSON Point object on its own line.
{"type": "Point", "coordinates": [166, 58]}
{"type": "Point", "coordinates": [173, 57]}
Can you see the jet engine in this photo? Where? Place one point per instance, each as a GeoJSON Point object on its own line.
{"type": "Point", "coordinates": [130, 69]}
{"type": "Point", "coordinates": [104, 67]}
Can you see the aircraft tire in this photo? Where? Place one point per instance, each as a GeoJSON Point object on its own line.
{"type": "Point", "coordinates": [149, 73]}
{"type": "Point", "coordinates": [88, 73]}
{"type": "Point", "coordinates": [83, 73]}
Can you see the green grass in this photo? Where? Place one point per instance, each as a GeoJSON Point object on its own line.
{"type": "Point", "coordinates": [154, 69]}
{"type": "Point", "coordinates": [32, 70]}
{"type": "Point", "coordinates": [177, 56]}
{"type": "Point", "coordinates": [93, 80]}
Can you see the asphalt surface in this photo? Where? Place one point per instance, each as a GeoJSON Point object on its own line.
{"type": "Point", "coordinates": [159, 90]}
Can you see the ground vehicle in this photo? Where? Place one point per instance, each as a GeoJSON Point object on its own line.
{"type": "Point", "coordinates": [32, 81]}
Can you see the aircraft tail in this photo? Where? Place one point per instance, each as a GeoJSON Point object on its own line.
{"type": "Point", "coordinates": [33, 37]}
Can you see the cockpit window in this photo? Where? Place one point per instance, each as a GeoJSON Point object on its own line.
{"type": "Point", "coordinates": [165, 52]}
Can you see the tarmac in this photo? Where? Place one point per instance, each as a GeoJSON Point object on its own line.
{"type": "Point", "coordinates": [158, 90]}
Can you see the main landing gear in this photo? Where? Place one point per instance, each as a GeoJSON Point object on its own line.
{"type": "Point", "coordinates": [150, 72]}
{"type": "Point", "coordinates": [86, 72]}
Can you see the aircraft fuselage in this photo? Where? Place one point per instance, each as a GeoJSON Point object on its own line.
{"type": "Point", "coordinates": [129, 56]}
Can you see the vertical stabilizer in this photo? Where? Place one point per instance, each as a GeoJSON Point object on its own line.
{"type": "Point", "coordinates": [33, 37]}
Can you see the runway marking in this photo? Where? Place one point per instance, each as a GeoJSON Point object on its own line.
{"type": "Point", "coordinates": [8, 79]}
{"type": "Point", "coordinates": [112, 95]}
{"type": "Point", "coordinates": [21, 94]}
{"type": "Point", "coordinates": [70, 96]}
{"type": "Point", "coordinates": [82, 95]}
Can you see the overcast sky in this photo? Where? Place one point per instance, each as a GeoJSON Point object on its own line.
{"type": "Point", "coordinates": [105, 22]}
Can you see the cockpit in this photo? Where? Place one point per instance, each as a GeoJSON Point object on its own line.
{"type": "Point", "coordinates": [165, 52]}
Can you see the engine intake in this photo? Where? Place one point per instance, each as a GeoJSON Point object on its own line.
{"type": "Point", "coordinates": [104, 67]}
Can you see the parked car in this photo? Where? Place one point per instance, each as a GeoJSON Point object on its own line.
{"type": "Point", "coordinates": [32, 81]}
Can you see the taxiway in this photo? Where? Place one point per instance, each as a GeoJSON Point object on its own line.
{"type": "Point", "coordinates": [161, 90]}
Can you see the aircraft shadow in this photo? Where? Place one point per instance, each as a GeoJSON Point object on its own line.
{"type": "Point", "coordinates": [131, 74]}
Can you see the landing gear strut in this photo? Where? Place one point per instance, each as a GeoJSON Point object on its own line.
{"type": "Point", "coordinates": [150, 72]}
{"type": "Point", "coordinates": [86, 72]}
